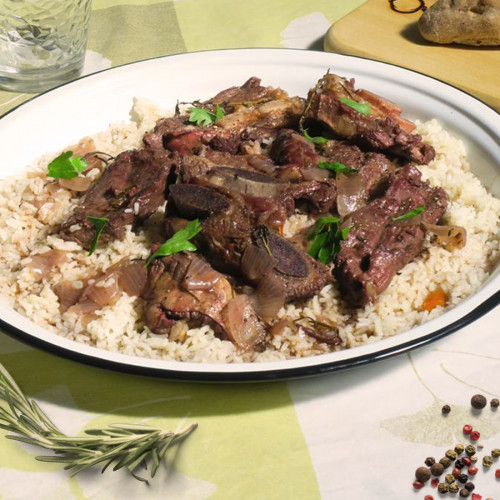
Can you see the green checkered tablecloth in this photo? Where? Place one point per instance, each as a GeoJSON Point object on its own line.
{"type": "Point", "coordinates": [352, 435]}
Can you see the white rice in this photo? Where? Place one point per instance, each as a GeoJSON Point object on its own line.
{"type": "Point", "coordinates": [28, 216]}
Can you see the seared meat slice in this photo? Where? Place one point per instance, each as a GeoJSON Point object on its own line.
{"type": "Point", "coordinates": [291, 147]}
{"type": "Point", "coordinates": [184, 287]}
{"type": "Point", "coordinates": [378, 131]}
{"type": "Point", "coordinates": [377, 247]}
{"type": "Point", "coordinates": [128, 192]}
{"type": "Point", "coordinates": [250, 92]}
{"type": "Point", "coordinates": [194, 201]}
{"type": "Point", "coordinates": [320, 196]}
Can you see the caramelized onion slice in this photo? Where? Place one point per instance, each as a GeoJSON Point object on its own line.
{"type": "Point", "coordinates": [242, 325]}
{"type": "Point", "coordinates": [200, 276]}
{"type": "Point", "coordinates": [67, 294]}
{"type": "Point", "coordinates": [42, 263]}
{"type": "Point", "coordinates": [133, 277]}
{"type": "Point", "coordinates": [104, 292]}
{"type": "Point", "coordinates": [256, 262]}
{"type": "Point", "coordinates": [79, 184]}
{"type": "Point", "coordinates": [449, 237]}
{"type": "Point", "coordinates": [351, 193]}
{"type": "Point", "coordinates": [269, 297]}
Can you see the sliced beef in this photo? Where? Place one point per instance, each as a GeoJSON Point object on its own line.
{"type": "Point", "coordinates": [377, 247]}
{"type": "Point", "coordinates": [250, 92]}
{"type": "Point", "coordinates": [128, 192]}
{"type": "Point", "coordinates": [378, 131]}
{"type": "Point", "coordinates": [184, 287]}
{"type": "Point", "coordinates": [195, 201]}
{"type": "Point", "coordinates": [291, 147]}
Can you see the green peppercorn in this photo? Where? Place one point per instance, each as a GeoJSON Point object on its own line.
{"type": "Point", "coordinates": [487, 461]}
{"type": "Point", "coordinates": [459, 448]}
{"type": "Point", "coordinates": [450, 478]}
{"type": "Point", "coordinates": [430, 461]}
{"type": "Point", "coordinates": [495, 453]}
{"type": "Point", "coordinates": [437, 469]}
{"type": "Point", "coordinates": [470, 450]}
{"type": "Point", "coordinates": [451, 454]}
{"type": "Point", "coordinates": [445, 462]}
{"type": "Point", "coordinates": [422, 474]}
{"type": "Point", "coordinates": [454, 488]}
{"type": "Point", "coordinates": [494, 403]}
{"type": "Point", "coordinates": [443, 487]}
{"type": "Point", "coordinates": [478, 401]}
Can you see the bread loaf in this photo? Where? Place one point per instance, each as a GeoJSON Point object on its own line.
{"type": "Point", "coordinates": [471, 22]}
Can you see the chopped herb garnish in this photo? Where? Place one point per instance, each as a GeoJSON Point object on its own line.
{"type": "Point", "coordinates": [410, 214]}
{"type": "Point", "coordinates": [179, 242]}
{"type": "Point", "coordinates": [99, 224]}
{"type": "Point", "coordinates": [360, 107]}
{"type": "Point", "coordinates": [327, 237]}
{"type": "Point", "coordinates": [66, 166]}
{"type": "Point", "coordinates": [336, 167]}
{"type": "Point", "coordinates": [315, 140]}
{"type": "Point", "coordinates": [204, 117]}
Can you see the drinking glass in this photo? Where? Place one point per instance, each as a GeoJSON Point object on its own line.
{"type": "Point", "coordinates": [42, 42]}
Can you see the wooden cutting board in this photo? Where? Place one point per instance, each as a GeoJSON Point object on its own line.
{"type": "Point", "coordinates": [375, 31]}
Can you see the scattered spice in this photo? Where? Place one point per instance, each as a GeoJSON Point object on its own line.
{"type": "Point", "coordinates": [418, 485]}
{"type": "Point", "coordinates": [454, 488]}
{"type": "Point", "coordinates": [422, 474]}
{"type": "Point", "coordinates": [466, 461]}
{"type": "Point", "coordinates": [478, 401]}
{"type": "Point", "coordinates": [467, 429]}
{"type": "Point", "coordinates": [435, 482]}
{"type": "Point", "coordinates": [435, 298]}
{"type": "Point", "coordinates": [470, 450]}
{"type": "Point", "coordinates": [497, 473]}
{"type": "Point", "coordinates": [450, 478]}
{"type": "Point", "coordinates": [437, 469]}
{"type": "Point", "coordinates": [494, 403]}
{"type": "Point", "coordinates": [473, 459]}
{"type": "Point", "coordinates": [445, 409]}
{"type": "Point", "coordinates": [459, 463]}
{"type": "Point", "coordinates": [459, 448]}
{"type": "Point", "coordinates": [472, 470]}
{"type": "Point", "coordinates": [429, 461]}
{"type": "Point", "coordinates": [443, 487]}
{"type": "Point", "coordinates": [495, 453]}
{"type": "Point", "coordinates": [445, 462]}
{"type": "Point", "coordinates": [428, 497]}
{"type": "Point", "coordinates": [464, 493]}
{"type": "Point", "coordinates": [475, 435]}
{"type": "Point", "coordinates": [487, 461]}
{"type": "Point", "coordinates": [463, 478]}
{"type": "Point", "coordinates": [469, 486]}
{"type": "Point", "coordinates": [451, 454]}
{"type": "Point", "coordinates": [456, 472]}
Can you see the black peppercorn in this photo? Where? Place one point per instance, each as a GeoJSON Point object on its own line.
{"type": "Point", "coordinates": [469, 486]}
{"type": "Point", "coordinates": [463, 478]}
{"type": "Point", "coordinates": [445, 409]}
{"type": "Point", "coordinates": [429, 461]}
{"type": "Point", "coordinates": [422, 474]}
{"type": "Point", "coordinates": [459, 464]}
{"type": "Point", "coordinates": [437, 469]}
{"type": "Point", "coordinates": [478, 401]}
{"type": "Point", "coordinates": [494, 403]}
{"type": "Point", "coordinates": [464, 493]}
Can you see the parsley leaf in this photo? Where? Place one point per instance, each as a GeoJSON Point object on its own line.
{"type": "Point", "coordinates": [66, 166]}
{"type": "Point", "coordinates": [315, 140]}
{"type": "Point", "coordinates": [204, 117]}
{"type": "Point", "coordinates": [336, 167]}
{"type": "Point", "coordinates": [360, 107]}
{"type": "Point", "coordinates": [99, 224]}
{"type": "Point", "coordinates": [410, 214]}
{"type": "Point", "coordinates": [327, 237]}
{"type": "Point", "coordinates": [179, 242]}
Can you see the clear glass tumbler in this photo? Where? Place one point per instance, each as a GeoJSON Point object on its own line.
{"type": "Point", "coordinates": [42, 42]}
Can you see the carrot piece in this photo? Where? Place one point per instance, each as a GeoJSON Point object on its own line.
{"type": "Point", "coordinates": [435, 298]}
{"type": "Point", "coordinates": [282, 230]}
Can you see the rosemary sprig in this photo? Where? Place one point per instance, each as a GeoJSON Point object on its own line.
{"type": "Point", "coordinates": [124, 445]}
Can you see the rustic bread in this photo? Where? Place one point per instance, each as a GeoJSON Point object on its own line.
{"type": "Point", "coordinates": [471, 22]}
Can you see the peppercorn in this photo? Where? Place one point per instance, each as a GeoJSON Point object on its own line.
{"type": "Point", "coordinates": [464, 493]}
{"type": "Point", "coordinates": [451, 454]}
{"type": "Point", "coordinates": [445, 409]}
{"type": "Point", "coordinates": [466, 461]}
{"type": "Point", "coordinates": [459, 448]}
{"type": "Point", "coordinates": [472, 470]}
{"type": "Point", "coordinates": [470, 450]}
{"type": "Point", "coordinates": [422, 474]}
{"type": "Point", "coordinates": [454, 488]}
{"type": "Point", "coordinates": [487, 461]}
{"type": "Point", "coordinates": [497, 473]}
{"type": "Point", "coordinates": [430, 461]}
{"type": "Point", "coordinates": [473, 459]}
{"type": "Point", "coordinates": [443, 487]}
{"type": "Point", "coordinates": [437, 469]}
{"type": "Point", "coordinates": [456, 472]}
{"type": "Point", "coordinates": [459, 463]}
{"type": "Point", "coordinates": [418, 485]}
{"type": "Point", "coordinates": [450, 478]}
{"type": "Point", "coordinates": [467, 429]}
{"type": "Point", "coordinates": [428, 497]}
{"type": "Point", "coordinates": [495, 453]}
{"type": "Point", "coordinates": [494, 403]}
{"type": "Point", "coordinates": [445, 462]}
{"type": "Point", "coordinates": [475, 435]}
{"type": "Point", "coordinates": [463, 478]}
{"type": "Point", "coordinates": [478, 401]}
{"type": "Point", "coordinates": [475, 496]}
{"type": "Point", "coordinates": [469, 486]}
{"type": "Point", "coordinates": [435, 482]}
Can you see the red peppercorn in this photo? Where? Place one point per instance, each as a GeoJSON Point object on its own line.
{"type": "Point", "coordinates": [475, 496]}
{"type": "Point", "coordinates": [428, 497]}
{"type": "Point", "coordinates": [418, 485]}
{"type": "Point", "coordinates": [467, 429]}
{"type": "Point", "coordinates": [497, 473]}
{"type": "Point", "coordinates": [466, 461]}
{"type": "Point", "coordinates": [456, 472]}
{"type": "Point", "coordinates": [472, 470]}
{"type": "Point", "coordinates": [435, 482]}
{"type": "Point", "coordinates": [474, 435]}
